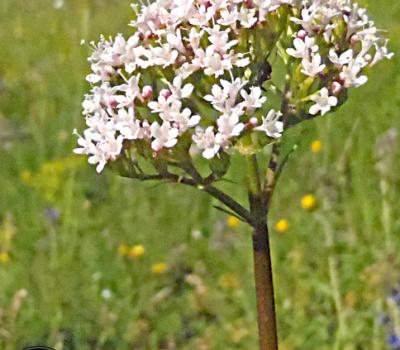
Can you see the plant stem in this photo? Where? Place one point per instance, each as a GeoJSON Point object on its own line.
{"type": "Point", "coordinates": [264, 288]}
{"type": "Point", "coordinates": [262, 260]}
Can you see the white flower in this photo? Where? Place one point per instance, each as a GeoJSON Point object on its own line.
{"type": "Point", "coordinates": [131, 90]}
{"type": "Point", "coordinates": [303, 48]}
{"type": "Point", "coordinates": [307, 19]}
{"type": "Point", "coordinates": [220, 40]}
{"type": "Point", "coordinates": [381, 53]}
{"type": "Point", "coordinates": [179, 91]}
{"type": "Point", "coordinates": [207, 141]}
{"type": "Point", "coordinates": [215, 64]}
{"type": "Point", "coordinates": [228, 124]}
{"type": "Point", "coordinates": [323, 102]}
{"type": "Point", "coordinates": [224, 98]}
{"type": "Point", "coordinates": [350, 75]}
{"type": "Point", "coordinates": [164, 55]}
{"type": "Point", "coordinates": [313, 67]}
{"type": "Point", "coordinates": [218, 97]}
{"type": "Point", "coordinates": [165, 105]}
{"type": "Point", "coordinates": [232, 90]}
{"type": "Point", "coordinates": [271, 124]}
{"type": "Point", "coordinates": [341, 60]}
{"type": "Point", "coordinates": [184, 120]}
{"type": "Point", "coordinates": [175, 40]}
{"type": "Point", "coordinates": [229, 17]}
{"type": "Point", "coordinates": [106, 294]}
{"type": "Point", "coordinates": [247, 17]}
{"type": "Point", "coordinates": [127, 125]}
{"type": "Point", "coordinates": [86, 145]}
{"type": "Point", "coordinates": [164, 136]}
{"type": "Point", "coordinates": [58, 4]}
{"type": "Point", "coordinates": [254, 99]}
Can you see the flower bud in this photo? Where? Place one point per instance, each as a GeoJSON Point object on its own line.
{"type": "Point", "coordinates": [253, 122]}
{"type": "Point", "coordinates": [165, 93]}
{"type": "Point", "coordinates": [354, 40]}
{"type": "Point", "coordinates": [147, 93]}
{"type": "Point", "coordinates": [249, 4]}
{"type": "Point", "coordinates": [336, 88]}
{"type": "Point", "coordinates": [302, 34]}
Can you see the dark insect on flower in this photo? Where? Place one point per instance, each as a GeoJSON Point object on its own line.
{"type": "Point", "coordinates": [264, 73]}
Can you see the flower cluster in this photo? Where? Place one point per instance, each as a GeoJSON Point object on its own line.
{"type": "Point", "coordinates": [195, 75]}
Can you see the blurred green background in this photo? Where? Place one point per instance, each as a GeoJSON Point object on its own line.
{"type": "Point", "coordinates": [99, 262]}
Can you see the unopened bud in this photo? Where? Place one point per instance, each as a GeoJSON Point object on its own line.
{"type": "Point", "coordinates": [354, 40]}
{"type": "Point", "coordinates": [249, 4]}
{"type": "Point", "coordinates": [302, 34]}
{"type": "Point", "coordinates": [147, 92]}
{"type": "Point", "coordinates": [336, 87]}
{"type": "Point", "coordinates": [368, 57]}
{"type": "Point", "coordinates": [165, 93]}
{"type": "Point", "coordinates": [253, 121]}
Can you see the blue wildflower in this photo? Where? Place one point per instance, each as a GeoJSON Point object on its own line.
{"type": "Point", "coordinates": [394, 341]}
{"type": "Point", "coordinates": [52, 215]}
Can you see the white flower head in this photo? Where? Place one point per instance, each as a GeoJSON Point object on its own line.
{"type": "Point", "coordinates": [188, 73]}
{"type": "Point", "coordinates": [254, 99]}
{"type": "Point", "coordinates": [163, 136]}
{"type": "Point", "coordinates": [207, 141]}
{"type": "Point", "coordinates": [323, 102]}
{"type": "Point", "coordinates": [303, 48]}
{"type": "Point", "coordinates": [271, 124]}
{"type": "Point", "coordinates": [313, 66]}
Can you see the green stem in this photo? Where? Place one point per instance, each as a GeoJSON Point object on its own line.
{"type": "Point", "coordinates": [334, 281]}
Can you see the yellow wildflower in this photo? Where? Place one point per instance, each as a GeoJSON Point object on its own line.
{"type": "Point", "coordinates": [137, 251]}
{"type": "Point", "coordinates": [26, 177]}
{"type": "Point", "coordinates": [4, 257]}
{"type": "Point", "coordinates": [351, 300]}
{"type": "Point", "coordinates": [232, 221]}
{"type": "Point", "coordinates": [228, 281]}
{"type": "Point", "coordinates": [282, 225]}
{"type": "Point", "coordinates": [123, 250]}
{"type": "Point", "coordinates": [308, 202]}
{"type": "Point", "coordinates": [159, 268]}
{"type": "Point", "coordinates": [316, 146]}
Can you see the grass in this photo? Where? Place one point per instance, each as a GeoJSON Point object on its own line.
{"type": "Point", "coordinates": [333, 266]}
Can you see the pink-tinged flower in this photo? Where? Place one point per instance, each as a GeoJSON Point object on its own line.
{"type": "Point", "coordinates": [164, 55]}
{"type": "Point", "coordinates": [219, 40]}
{"type": "Point", "coordinates": [131, 89]}
{"type": "Point", "coordinates": [175, 40]}
{"type": "Point", "coordinates": [323, 102]}
{"type": "Point", "coordinates": [271, 124]}
{"type": "Point", "coordinates": [163, 136]}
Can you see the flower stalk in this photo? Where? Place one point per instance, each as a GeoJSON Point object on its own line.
{"type": "Point", "coordinates": [267, 328]}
